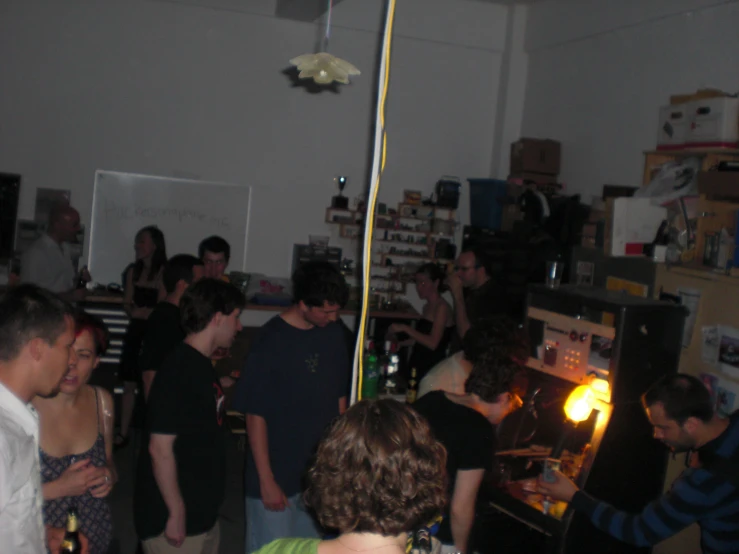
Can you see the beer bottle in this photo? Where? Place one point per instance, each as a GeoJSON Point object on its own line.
{"type": "Point", "coordinates": [71, 543]}
{"type": "Point", "coordinates": [412, 391]}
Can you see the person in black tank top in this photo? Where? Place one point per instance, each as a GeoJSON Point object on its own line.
{"type": "Point", "coordinates": [141, 293]}
{"type": "Point", "coordinates": [431, 337]}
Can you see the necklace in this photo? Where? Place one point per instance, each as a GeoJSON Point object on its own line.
{"type": "Point", "coordinates": [371, 548]}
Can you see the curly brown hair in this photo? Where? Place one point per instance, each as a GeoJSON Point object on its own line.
{"type": "Point", "coordinates": [379, 470]}
{"type": "Point", "coordinates": [494, 373]}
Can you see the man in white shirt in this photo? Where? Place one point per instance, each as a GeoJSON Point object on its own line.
{"type": "Point", "coordinates": [36, 337]}
{"type": "Point", "coordinates": [48, 261]}
{"type": "Point", "coordinates": [481, 343]}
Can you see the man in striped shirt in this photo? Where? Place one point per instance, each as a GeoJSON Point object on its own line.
{"type": "Point", "coordinates": [681, 412]}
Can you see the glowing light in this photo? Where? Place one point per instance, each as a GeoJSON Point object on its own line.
{"type": "Point", "coordinates": [580, 403]}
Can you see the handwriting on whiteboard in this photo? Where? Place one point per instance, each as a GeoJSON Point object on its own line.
{"type": "Point", "coordinates": [115, 210]}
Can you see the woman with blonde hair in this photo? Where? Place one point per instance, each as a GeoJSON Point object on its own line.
{"type": "Point", "coordinates": [379, 475]}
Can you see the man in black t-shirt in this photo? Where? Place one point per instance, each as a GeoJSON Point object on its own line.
{"type": "Point", "coordinates": [164, 330]}
{"type": "Point", "coordinates": [180, 482]}
{"type": "Point", "coordinates": [293, 385]}
{"type": "Point", "coordinates": [465, 425]}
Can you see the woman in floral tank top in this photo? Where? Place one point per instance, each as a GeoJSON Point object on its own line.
{"type": "Point", "coordinates": [76, 441]}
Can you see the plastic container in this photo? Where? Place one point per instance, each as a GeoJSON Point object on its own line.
{"type": "Point", "coordinates": [486, 202]}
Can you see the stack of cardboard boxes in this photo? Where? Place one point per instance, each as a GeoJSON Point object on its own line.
{"type": "Point", "coordinates": [536, 160]}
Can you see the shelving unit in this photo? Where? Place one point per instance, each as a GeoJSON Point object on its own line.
{"type": "Point", "coordinates": [403, 240]}
{"type": "Point", "coordinates": [653, 159]}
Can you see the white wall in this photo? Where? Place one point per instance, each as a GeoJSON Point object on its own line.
{"type": "Point", "coordinates": [195, 89]}
{"type": "Point", "coordinates": [598, 71]}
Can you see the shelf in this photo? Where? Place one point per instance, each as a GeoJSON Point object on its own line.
{"type": "Point", "coordinates": [685, 152]}
{"type": "Point", "coordinates": [419, 244]}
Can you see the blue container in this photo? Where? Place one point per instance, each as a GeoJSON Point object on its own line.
{"type": "Point", "coordinates": [486, 202]}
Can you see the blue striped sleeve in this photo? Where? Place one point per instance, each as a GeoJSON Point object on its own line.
{"type": "Point", "coordinates": [671, 513]}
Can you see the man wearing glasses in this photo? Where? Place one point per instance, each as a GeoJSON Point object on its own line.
{"type": "Point", "coordinates": [475, 294]}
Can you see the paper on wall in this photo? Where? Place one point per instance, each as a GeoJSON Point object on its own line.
{"type": "Point", "coordinates": [710, 344]}
{"type": "Point", "coordinates": [723, 391]}
{"type": "Point", "coordinates": [690, 298]}
{"type": "Point", "coordinates": [728, 352]}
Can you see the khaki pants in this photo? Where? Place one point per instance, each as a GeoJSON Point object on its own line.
{"type": "Point", "coordinates": [207, 543]}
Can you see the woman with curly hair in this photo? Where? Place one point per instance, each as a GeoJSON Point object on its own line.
{"type": "Point", "coordinates": [378, 475]}
{"type": "Point", "coordinates": [465, 425]}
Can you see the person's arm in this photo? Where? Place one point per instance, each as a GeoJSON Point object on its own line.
{"type": "Point", "coordinates": [161, 448]}
{"type": "Point", "coordinates": [273, 497]}
{"type": "Point", "coordinates": [147, 377]}
{"type": "Point", "coordinates": [342, 405]}
{"type": "Point", "coordinates": [107, 417]}
{"type": "Point", "coordinates": [432, 340]}
{"type": "Point", "coordinates": [460, 309]}
{"type": "Point", "coordinates": [462, 506]}
{"type": "Point", "coordinates": [680, 507]}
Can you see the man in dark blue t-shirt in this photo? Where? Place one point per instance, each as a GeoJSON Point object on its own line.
{"type": "Point", "coordinates": [293, 385]}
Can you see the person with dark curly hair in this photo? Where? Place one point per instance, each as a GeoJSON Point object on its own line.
{"type": "Point", "coordinates": [492, 333]}
{"type": "Point", "coordinates": [293, 385]}
{"type": "Point", "coordinates": [465, 425]}
{"type": "Point", "coordinates": [378, 475]}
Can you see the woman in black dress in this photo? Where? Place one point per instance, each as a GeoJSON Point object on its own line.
{"type": "Point", "coordinates": [142, 291]}
{"type": "Point", "coordinates": [433, 332]}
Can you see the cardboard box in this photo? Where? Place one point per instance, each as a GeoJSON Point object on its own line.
{"type": "Point", "coordinates": [714, 123]}
{"type": "Point", "coordinates": [719, 184]}
{"type": "Point", "coordinates": [673, 126]}
{"type": "Point", "coordinates": [697, 95]}
{"type": "Point", "coordinates": [538, 178]}
{"type": "Point", "coordinates": [535, 156]}
{"type": "Point", "coordinates": [631, 223]}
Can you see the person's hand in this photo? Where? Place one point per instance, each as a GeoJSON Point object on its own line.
{"type": "Point", "coordinates": [101, 485]}
{"type": "Point", "coordinates": [85, 275]}
{"type": "Point", "coordinates": [562, 488]}
{"type": "Point", "coordinates": [226, 382]}
{"type": "Point", "coordinates": [273, 498]}
{"type": "Point", "coordinates": [174, 531]}
{"type": "Point", "coordinates": [396, 328]}
{"type": "Point", "coordinates": [454, 283]}
{"type": "Point", "coordinates": [75, 479]}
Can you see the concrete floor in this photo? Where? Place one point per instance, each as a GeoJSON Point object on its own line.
{"type": "Point", "coordinates": [232, 511]}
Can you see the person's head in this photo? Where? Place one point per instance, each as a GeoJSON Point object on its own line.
{"type": "Point", "coordinates": [214, 305]}
{"type": "Point", "coordinates": [495, 333]}
{"type": "Point", "coordinates": [678, 406]}
{"type": "Point", "coordinates": [378, 470]}
{"type": "Point", "coordinates": [180, 272]}
{"type": "Point", "coordinates": [492, 382]}
{"type": "Point", "coordinates": [150, 250]}
{"type": "Point", "coordinates": [90, 342]}
{"type": "Point", "coordinates": [64, 223]}
{"type": "Point", "coordinates": [429, 280]}
{"type": "Point", "coordinates": [36, 335]}
{"type": "Point", "coordinates": [215, 253]}
{"type": "Point", "coordinates": [319, 291]}
{"type": "Point", "coordinates": [473, 267]}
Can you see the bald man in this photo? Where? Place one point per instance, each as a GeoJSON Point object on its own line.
{"type": "Point", "coordinates": [48, 261]}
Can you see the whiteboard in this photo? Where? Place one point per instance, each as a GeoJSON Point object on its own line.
{"type": "Point", "coordinates": [186, 211]}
